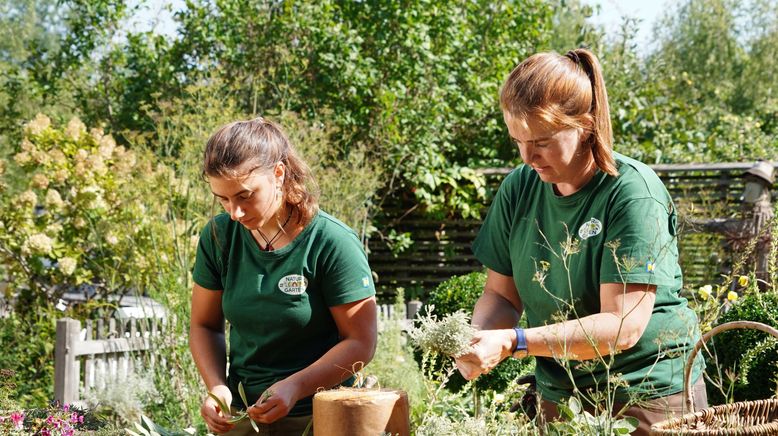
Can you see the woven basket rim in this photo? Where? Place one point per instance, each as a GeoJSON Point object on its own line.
{"type": "Point", "coordinates": [718, 410]}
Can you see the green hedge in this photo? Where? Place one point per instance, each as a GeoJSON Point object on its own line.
{"type": "Point", "coordinates": [750, 354]}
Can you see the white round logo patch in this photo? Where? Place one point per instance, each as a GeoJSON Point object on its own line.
{"type": "Point", "coordinates": [593, 227]}
{"type": "Point", "coordinates": [293, 284]}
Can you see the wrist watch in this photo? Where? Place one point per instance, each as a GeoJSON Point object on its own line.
{"type": "Point", "coordinates": [520, 351]}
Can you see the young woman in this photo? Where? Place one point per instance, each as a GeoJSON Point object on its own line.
{"type": "Point", "coordinates": [583, 240]}
{"type": "Point", "coordinates": [292, 281]}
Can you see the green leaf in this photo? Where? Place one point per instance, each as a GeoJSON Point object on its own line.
{"type": "Point", "coordinates": [225, 410]}
{"type": "Point", "coordinates": [575, 405]}
{"type": "Point", "coordinates": [238, 418]}
{"type": "Point", "coordinates": [242, 393]}
{"type": "Point", "coordinates": [142, 430]}
{"type": "Point", "coordinates": [254, 425]}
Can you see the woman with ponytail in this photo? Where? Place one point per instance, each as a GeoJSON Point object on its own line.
{"type": "Point", "coordinates": [582, 240]}
{"type": "Point", "coordinates": [292, 281]}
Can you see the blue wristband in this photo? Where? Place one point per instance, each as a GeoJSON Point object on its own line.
{"type": "Point", "coordinates": [521, 339]}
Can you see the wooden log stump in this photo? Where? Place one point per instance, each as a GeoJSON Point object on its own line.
{"type": "Point", "coordinates": [350, 411]}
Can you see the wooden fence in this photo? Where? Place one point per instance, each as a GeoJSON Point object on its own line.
{"type": "Point", "coordinates": [441, 247]}
{"type": "Point", "coordinates": [88, 356]}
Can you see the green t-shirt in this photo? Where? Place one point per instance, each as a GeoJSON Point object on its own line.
{"type": "Point", "coordinates": [277, 303]}
{"type": "Point", "coordinates": [614, 230]}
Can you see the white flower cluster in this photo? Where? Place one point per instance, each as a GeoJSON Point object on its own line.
{"type": "Point", "coordinates": [38, 243]}
{"type": "Point", "coordinates": [38, 124]}
{"type": "Point", "coordinates": [28, 198]}
{"type": "Point", "coordinates": [67, 265]}
{"type": "Point", "coordinates": [74, 129]}
{"type": "Point", "coordinates": [54, 200]}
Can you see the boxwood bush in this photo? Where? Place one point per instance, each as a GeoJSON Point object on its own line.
{"type": "Point", "coordinates": [748, 353]}
{"type": "Point", "coordinates": [462, 292]}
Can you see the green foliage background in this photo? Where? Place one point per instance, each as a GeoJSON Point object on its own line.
{"type": "Point", "coordinates": [390, 102]}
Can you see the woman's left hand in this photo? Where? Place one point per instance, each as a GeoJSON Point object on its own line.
{"type": "Point", "coordinates": [275, 403]}
{"type": "Point", "coordinates": [490, 347]}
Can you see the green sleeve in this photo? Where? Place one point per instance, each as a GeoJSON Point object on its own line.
{"type": "Point", "coordinates": [491, 246]}
{"type": "Point", "coordinates": [640, 245]}
{"type": "Point", "coordinates": [347, 277]}
{"type": "Point", "coordinates": [207, 267]}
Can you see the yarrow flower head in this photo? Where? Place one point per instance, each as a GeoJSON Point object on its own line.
{"type": "Point", "coordinates": [742, 281]}
{"type": "Point", "coordinates": [705, 291]}
{"type": "Point", "coordinates": [732, 296]}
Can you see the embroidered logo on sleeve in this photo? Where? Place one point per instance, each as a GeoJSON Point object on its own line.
{"type": "Point", "coordinates": [293, 284]}
{"type": "Point", "coordinates": [593, 227]}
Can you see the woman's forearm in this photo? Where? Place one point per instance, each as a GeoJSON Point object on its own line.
{"type": "Point", "coordinates": [493, 311]}
{"type": "Point", "coordinates": [209, 353]}
{"type": "Point", "coordinates": [590, 337]}
{"type": "Point", "coordinates": [343, 360]}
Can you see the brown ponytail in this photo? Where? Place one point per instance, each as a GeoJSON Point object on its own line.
{"type": "Point", "coordinates": [564, 91]}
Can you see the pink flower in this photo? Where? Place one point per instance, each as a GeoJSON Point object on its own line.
{"type": "Point", "coordinates": [18, 419]}
{"type": "Point", "coordinates": [66, 407]}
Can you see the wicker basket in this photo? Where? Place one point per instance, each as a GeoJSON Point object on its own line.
{"type": "Point", "coordinates": [741, 418]}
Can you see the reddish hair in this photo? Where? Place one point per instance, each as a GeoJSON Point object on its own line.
{"type": "Point", "coordinates": [564, 91]}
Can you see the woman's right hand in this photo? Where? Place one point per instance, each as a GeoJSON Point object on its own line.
{"type": "Point", "coordinates": [215, 418]}
{"type": "Point", "coordinates": [489, 348]}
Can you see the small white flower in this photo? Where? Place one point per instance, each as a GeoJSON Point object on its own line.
{"type": "Point", "coordinates": [54, 200]}
{"type": "Point", "coordinates": [106, 147]}
{"type": "Point", "coordinates": [38, 124]}
{"type": "Point", "coordinates": [22, 158]}
{"type": "Point", "coordinates": [67, 265]}
{"type": "Point", "coordinates": [40, 181]}
{"type": "Point", "coordinates": [705, 291]}
{"type": "Point", "coordinates": [39, 243]}
{"type": "Point", "coordinates": [75, 128]}
{"type": "Point", "coordinates": [28, 198]}
{"type": "Point", "coordinates": [112, 239]}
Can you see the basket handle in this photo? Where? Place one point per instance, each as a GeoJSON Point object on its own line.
{"type": "Point", "coordinates": [687, 372]}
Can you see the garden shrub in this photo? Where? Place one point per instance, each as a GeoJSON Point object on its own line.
{"type": "Point", "coordinates": [90, 217]}
{"type": "Point", "coordinates": [28, 358]}
{"type": "Point", "coordinates": [748, 353]}
{"type": "Point", "coordinates": [461, 293]}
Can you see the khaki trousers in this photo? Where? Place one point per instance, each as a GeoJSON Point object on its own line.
{"type": "Point", "coordinates": [647, 412]}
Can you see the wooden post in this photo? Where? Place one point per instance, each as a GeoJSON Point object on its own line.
{"type": "Point", "coordinates": [412, 308]}
{"type": "Point", "coordinates": [65, 364]}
